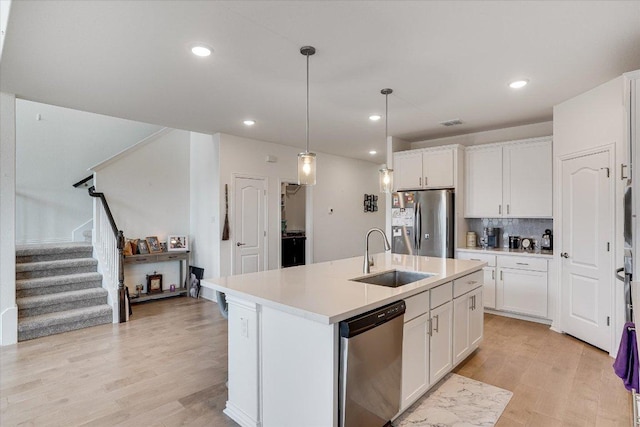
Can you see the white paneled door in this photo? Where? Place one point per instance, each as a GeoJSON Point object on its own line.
{"type": "Point", "coordinates": [249, 225]}
{"type": "Point", "coordinates": [587, 245]}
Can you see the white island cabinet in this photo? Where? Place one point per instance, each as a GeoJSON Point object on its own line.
{"type": "Point", "coordinates": [284, 334]}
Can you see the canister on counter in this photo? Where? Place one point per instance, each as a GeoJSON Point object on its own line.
{"type": "Point", "coordinates": [472, 239]}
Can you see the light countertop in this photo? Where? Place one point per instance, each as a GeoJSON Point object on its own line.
{"type": "Point", "coordinates": [323, 291]}
{"type": "Point", "coordinates": [507, 251]}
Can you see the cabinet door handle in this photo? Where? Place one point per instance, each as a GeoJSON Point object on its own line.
{"type": "Point", "coordinates": [499, 209]}
{"type": "Point", "coordinates": [435, 328]}
{"type": "Point", "coordinates": [420, 181]}
{"type": "Point", "coordinates": [471, 303]}
{"type": "Point", "coordinates": [474, 302]}
{"type": "Point", "coordinates": [500, 274]}
{"type": "Point", "coordinates": [472, 282]}
{"type": "Point", "coordinates": [493, 275]}
{"type": "Point", "coordinates": [622, 175]}
{"type": "Point", "coordinates": [426, 181]}
{"type": "Point", "coordinates": [475, 259]}
{"type": "Point", "coordinates": [522, 263]}
{"type": "Point", "coordinates": [508, 210]}
{"type": "Point", "coordinates": [430, 328]}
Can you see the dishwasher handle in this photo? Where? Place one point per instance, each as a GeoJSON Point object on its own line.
{"type": "Point", "coordinates": [356, 325]}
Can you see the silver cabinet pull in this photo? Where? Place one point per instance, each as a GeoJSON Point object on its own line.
{"type": "Point", "coordinates": [499, 209]}
{"type": "Point", "coordinates": [430, 328]}
{"type": "Point", "coordinates": [420, 181]}
{"type": "Point", "coordinates": [500, 274]}
{"type": "Point", "coordinates": [240, 244]}
{"type": "Point", "coordinates": [473, 282]}
{"type": "Point", "coordinates": [622, 175]}
{"type": "Point", "coordinates": [426, 181]}
{"type": "Point", "coordinates": [522, 263]}
{"type": "Point", "coordinates": [493, 275]}
{"type": "Point", "coordinates": [564, 255]}
{"type": "Point", "coordinates": [508, 210]}
{"type": "Point", "coordinates": [435, 328]}
{"type": "Point", "coordinates": [475, 259]}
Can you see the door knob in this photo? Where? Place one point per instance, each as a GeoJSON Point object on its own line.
{"type": "Point", "coordinates": [240, 244]}
{"type": "Point", "coordinates": [564, 255]}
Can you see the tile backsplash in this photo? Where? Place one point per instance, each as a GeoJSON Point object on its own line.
{"type": "Point", "coordinates": [523, 227]}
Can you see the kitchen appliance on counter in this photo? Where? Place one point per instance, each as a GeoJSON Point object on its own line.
{"type": "Point", "coordinates": [371, 367]}
{"type": "Point", "coordinates": [491, 234]}
{"type": "Point", "coordinates": [422, 223]}
{"type": "Point", "coordinates": [514, 242]}
{"type": "Point", "coordinates": [546, 244]}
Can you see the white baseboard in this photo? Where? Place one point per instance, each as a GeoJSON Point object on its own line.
{"type": "Point", "coordinates": [239, 416]}
{"type": "Point", "coordinates": [519, 316]}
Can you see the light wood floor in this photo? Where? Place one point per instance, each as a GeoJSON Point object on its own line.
{"type": "Point", "coordinates": [168, 367]}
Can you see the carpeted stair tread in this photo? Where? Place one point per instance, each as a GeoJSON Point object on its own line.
{"type": "Point", "coordinates": [63, 317]}
{"type": "Point", "coordinates": [61, 263]}
{"type": "Point", "coordinates": [29, 270]}
{"type": "Point", "coordinates": [50, 252]}
{"type": "Point", "coordinates": [60, 297]}
{"type": "Point", "coordinates": [39, 282]}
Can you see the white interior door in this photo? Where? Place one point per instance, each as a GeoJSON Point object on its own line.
{"type": "Point", "coordinates": [586, 237]}
{"type": "Point", "coordinates": [249, 230]}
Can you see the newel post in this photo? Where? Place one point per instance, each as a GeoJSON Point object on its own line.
{"type": "Point", "coordinates": [122, 313]}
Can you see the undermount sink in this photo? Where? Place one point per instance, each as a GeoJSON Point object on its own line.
{"type": "Point", "coordinates": [393, 278]}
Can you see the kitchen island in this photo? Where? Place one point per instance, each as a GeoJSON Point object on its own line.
{"type": "Point", "coordinates": [284, 338]}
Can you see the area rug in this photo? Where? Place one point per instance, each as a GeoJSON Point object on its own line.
{"type": "Point", "coordinates": [457, 401]}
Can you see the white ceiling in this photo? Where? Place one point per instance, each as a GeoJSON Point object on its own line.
{"type": "Point", "coordinates": [443, 59]}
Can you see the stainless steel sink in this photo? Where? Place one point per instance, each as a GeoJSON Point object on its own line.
{"type": "Point", "coordinates": [393, 278]}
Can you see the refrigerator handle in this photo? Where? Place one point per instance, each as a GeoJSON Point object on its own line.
{"type": "Point", "coordinates": [419, 233]}
{"type": "Point", "coordinates": [415, 226]}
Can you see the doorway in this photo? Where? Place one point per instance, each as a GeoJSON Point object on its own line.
{"type": "Point", "coordinates": [587, 247]}
{"type": "Point", "coordinates": [293, 224]}
{"type": "Point", "coordinates": [250, 211]}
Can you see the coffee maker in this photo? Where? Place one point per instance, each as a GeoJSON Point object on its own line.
{"type": "Point", "coordinates": [491, 235]}
{"type": "Point", "coordinates": [546, 244]}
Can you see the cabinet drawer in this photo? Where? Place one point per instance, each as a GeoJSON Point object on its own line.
{"type": "Point", "coordinates": [416, 305]}
{"type": "Point", "coordinates": [441, 294]}
{"type": "Point", "coordinates": [489, 259]}
{"type": "Point", "coordinates": [523, 263]}
{"type": "Point", "coordinates": [466, 283]}
{"type": "Point", "coordinates": [171, 256]}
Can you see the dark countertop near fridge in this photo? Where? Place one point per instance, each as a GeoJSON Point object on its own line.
{"type": "Point", "coordinates": [292, 234]}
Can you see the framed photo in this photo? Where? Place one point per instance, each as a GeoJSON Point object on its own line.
{"type": "Point", "coordinates": [154, 283]}
{"type": "Point", "coordinates": [143, 247]}
{"type": "Point", "coordinates": [177, 243]}
{"type": "Point", "coordinates": [154, 244]}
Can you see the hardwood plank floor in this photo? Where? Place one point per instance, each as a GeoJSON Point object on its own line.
{"type": "Point", "coordinates": [168, 367]}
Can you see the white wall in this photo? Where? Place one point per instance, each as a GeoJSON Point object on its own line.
{"type": "Point", "coordinates": [205, 204]}
{"type": "Point", "coordinates": [8, 309]}
{"type": "Point", "coordinates": [590, 120]}
{"type": "Point", "coordinates": [342, 183]}
{"type": "Point", "coordinates": [52, 154]}
{"type": "Point", "coordinates": [498, 135]}
{"type": "Point", "coordinates": [147, 189]}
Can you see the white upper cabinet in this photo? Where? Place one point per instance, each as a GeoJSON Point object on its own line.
{"type": "Point", "coordinates": [425, 168]}
{"type": "Point", "coordinates": [527, 186]}
{"type": "Point", "coordinates": [483, 182]}
{"type": "Point", "coordinates": [510, 180]}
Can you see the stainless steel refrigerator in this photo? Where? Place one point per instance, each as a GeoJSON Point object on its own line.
{"type": "Point", "coordinates": [422, 223]}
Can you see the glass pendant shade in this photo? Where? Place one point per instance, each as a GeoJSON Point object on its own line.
{"type": "Point", "coordinates": [307, 168]}
{"type": "Point", "coordinates": [386, 180]}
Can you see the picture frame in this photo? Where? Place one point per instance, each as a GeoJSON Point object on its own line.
{"type": "Point", "coordinates": [154, 283]}
{"type": "Point", "coordinates": [177, 242]}
{"type": "Point", "coordinates": [143, 247]}
{"type": "Point", "coordinates": [154, 244]}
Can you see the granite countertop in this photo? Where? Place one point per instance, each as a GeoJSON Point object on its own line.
{"type": "Point", "coordinates": [324, 293]}
{"type": "Point", "coordinates": [506, 251]}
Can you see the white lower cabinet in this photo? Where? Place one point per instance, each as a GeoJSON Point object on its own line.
{"type": "Point", "coordinates": [522, 291]}
{"type": "Point", "coordinates": [489, 295]}
{"type": "Point", "coordinates": [467, 324]}
{"type": "Point", "coordinates": [441, 361]}
{"type": "Point", "coordinates": [415, 359]}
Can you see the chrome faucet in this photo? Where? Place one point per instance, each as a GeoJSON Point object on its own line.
{"type": "Point", "coordinates": [387, 247]}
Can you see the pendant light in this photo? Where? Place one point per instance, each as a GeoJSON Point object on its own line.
{"type": "Point", "coordinates": [307, 160]}
{"type": "Point", "coordinates": [386, 174]}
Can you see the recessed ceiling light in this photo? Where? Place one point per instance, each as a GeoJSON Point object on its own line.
{"type": "Point", "coordinates": [249, 122]}
{"type": "Point", "coordinates": [372, 152]}
{"type": "Point", "coordinates": [518, 84]}
{"type": "Point", "coordinates": [375, 117]}
{"type": "Point", "coordinates": [200, 50]}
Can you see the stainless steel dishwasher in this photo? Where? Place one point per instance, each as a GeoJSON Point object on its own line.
{"type": "Point", "coordinates": [371, 366]}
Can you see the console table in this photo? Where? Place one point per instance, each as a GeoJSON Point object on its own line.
{"type": "Point", "coordinates": [181, 257]}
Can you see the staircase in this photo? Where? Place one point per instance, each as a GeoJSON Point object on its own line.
{"type": "Point", "coordinates": [58, 289]}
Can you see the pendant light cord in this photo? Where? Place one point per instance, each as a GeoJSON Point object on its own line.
{"type": "Point", "coordinates": [307, 55]}
{"type": "Point", "coordinates": [386, 117]}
